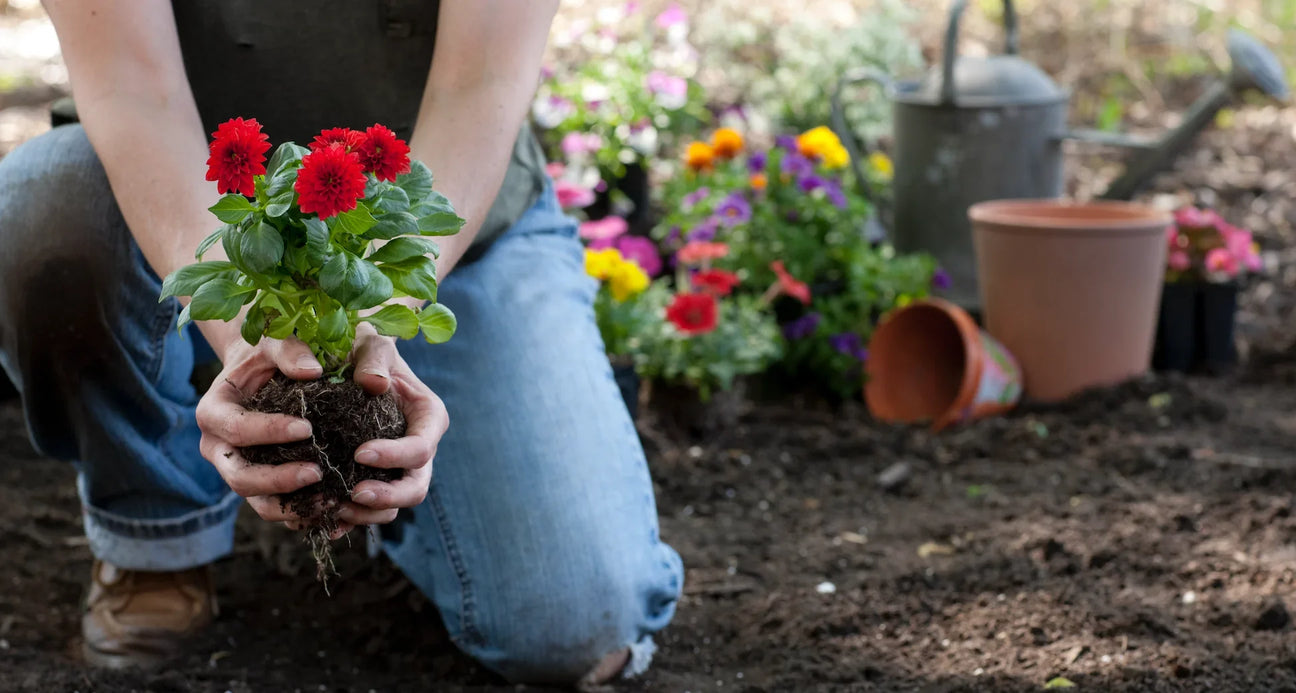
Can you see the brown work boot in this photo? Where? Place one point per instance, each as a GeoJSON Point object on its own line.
{"type": "Point", "coordinates": [141, 619]}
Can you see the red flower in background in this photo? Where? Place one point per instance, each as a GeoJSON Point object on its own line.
{"type": "Point", "coordinates": [238, 150]}
{"type": "Point", "coordinates": [348, 138]}
{"type": "Point", "coordinates": [693, 314]}
{"type": "Point", "coordinates": [330, 181]}
{"type": "Point", "coordinates": [383, 153]}
{"type": "Point", "coordinates": [715, 281]}
{"type": "Point", "coordinates": [790, 285]}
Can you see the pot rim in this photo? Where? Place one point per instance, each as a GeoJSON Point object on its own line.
{"type": "Point", "coordinates": [1049, 214]}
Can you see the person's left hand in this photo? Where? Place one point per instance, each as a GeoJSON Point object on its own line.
{"type": "Point", "coordinates": [379, 368]}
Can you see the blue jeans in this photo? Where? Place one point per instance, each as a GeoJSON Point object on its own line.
{"type": "Point", "coordinates": [538, 541]}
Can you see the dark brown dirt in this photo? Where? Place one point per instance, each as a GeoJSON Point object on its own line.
{"type": "Point", "coordinates": [343, 417]}
{"type": "Point", "coordinates": [1141, 538]}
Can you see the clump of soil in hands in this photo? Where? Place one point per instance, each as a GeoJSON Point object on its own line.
{"type": "Point", "coordinates": [343, 417]}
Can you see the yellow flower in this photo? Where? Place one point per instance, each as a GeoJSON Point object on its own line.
{"type": "Point", "coordinates": [699, 156]}
{"type": "Point", "coordinates": [626, 279]}
{"type": "Point", "coordinates": [882, 164]}
{"type": "Point", "coordinates": [726, 142]}
{"type": "Point", "coordinates": [816, 143]}
{"type": "Point", "coordinates": [836, 157]}
{"type": "Point", "coordinates": [903, 300]}
{"type": "Point", "coordinates": [599, 263]}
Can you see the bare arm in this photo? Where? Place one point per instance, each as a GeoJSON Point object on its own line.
{"type": "Point", "coordinates": [138, 110]}
{"type": "Point", "coordinates": [484, 73]}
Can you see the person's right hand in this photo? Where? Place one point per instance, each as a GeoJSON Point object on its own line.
{"type": "Point", "coordinates": [227, 426]}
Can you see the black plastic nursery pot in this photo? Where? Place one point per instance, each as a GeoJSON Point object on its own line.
{"type": "Point", "coordinates": [627, 381]}
{"type": "Point", "coordinates": [1195, 328]}
{"type": "Point", "coordinates": [634, 185]}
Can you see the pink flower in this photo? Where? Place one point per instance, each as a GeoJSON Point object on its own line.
{"type": "Point", "coordinates": [604, 229]}
{"type": "Point", "coordinates": [1179, 261]}
{"type": "Point", "coordinates": [1172, 238]}
{"type": "Point", "coordinates": [1221, 261]}
{"type": "Point", "coordinates": [581, 143]}
{"type": "Point", "coordinates": [1194, 218]}
{"type": "Point", "coordinates": [641, 251]}
{"type": "Point", "coordinates": [555, 169]}
{"type": "Point", "coordinates": [572, 196]}
{"type": "Point", "coordinates": [670, 92]}
{"type": "Point", "coordinates": [671, 16]}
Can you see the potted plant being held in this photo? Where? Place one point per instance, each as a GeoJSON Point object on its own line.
{"type": "Point", "coordinates": [318, 241]}
{"type": "Point", "coordinates": [1206, 258]}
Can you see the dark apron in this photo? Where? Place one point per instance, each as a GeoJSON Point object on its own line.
{"type": "Point", "coordinates": [299, 67]}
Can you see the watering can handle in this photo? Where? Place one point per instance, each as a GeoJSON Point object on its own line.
{"type": "Point", "coordinates": [854, 147]}
{"type": "Point", "coordinates": [951, 44]}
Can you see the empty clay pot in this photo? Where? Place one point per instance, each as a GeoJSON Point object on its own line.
{"type": "Point", "coordinates": [1071, 289]}
{"type": "Point", "coordinates": [928, 361]}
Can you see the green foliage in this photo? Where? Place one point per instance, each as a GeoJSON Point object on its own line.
{"type": "Point", "coordinates": [745, 341]}
{"type": "Point", "coordinates": [299, 275]}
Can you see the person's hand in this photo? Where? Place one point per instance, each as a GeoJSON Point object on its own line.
{"type": "Point", "coordinates": [378, 369]}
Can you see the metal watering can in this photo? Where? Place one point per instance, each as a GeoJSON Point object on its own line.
{"type": "Point", "coordinates": [976, 129]}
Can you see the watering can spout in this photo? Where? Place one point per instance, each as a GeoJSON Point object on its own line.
{"type": "Point", "coordinates": [1254, 68]}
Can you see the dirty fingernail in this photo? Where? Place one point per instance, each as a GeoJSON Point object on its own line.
{"type": "Point", "coordinates": [370, 371]}
{"type": "Point", "coordinates": [309, 476]}
{"type": "Point", "coordinates": [364, 497]}
{"type": "Point", "coordinates": [366, 457]}
{"type": "Point", "coordinates": [299, 429]}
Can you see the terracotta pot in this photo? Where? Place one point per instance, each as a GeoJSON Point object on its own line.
{"type": "Point", "coordinates": [929, 361]}
{"type": "Point", "coordinates": [1071, 288]}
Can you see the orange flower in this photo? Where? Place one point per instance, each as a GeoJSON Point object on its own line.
{"type": "Point", "coordinates": [699, 156]}
{"type": "Point", "coordinates": [697, 251]}
{"type": "Point", "coordinates": [790, 285]}
{"type": "Point", "coordinates": [727, 143]}
{"type": "Point", "coordinates": [758, 181]}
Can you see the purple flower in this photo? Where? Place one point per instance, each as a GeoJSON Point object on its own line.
{"type": "Point", "coordinates": [802, 327]}
{"type": "Point", "coordinates": [833, 189]}
{"type": "Point", "coordinates": [641, 251]}
{"type": "Point", "coordinates": [734, 210]}
{"type": "Point", "coordinates": [705, 231]}
{"type": "Point", "coordinates": [941, 279]}
{"type": "Point", "coordinates": [690, 200]}
{"type": "Point", "coordinates": [848, 343]}
{"type": "Point", "coordinates": [787, 142]}
{"type": "Point", "coordinates": [756, 163]}
{"type": "Point", "coordinates": [796, 165]}
{"type": "Point", "coordinates": [810, 183]}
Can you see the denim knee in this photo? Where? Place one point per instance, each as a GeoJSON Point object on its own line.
{"type": "Point", "coordinates": [542, 630]}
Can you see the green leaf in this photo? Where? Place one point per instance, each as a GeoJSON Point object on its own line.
{"type": "Point", "coordinates": [393, 225]}
{"type": "Point", "coordinates": [317, 241]}
{"type": "Point", "coordinates": [393, 199]}
{"type": "Point", "coordinates": [434, 202]}
{"type": "Point", "coordinates": [354, 222]}
{"type": "Point", "coordinates": [282, 326]}
{"type": "Point", "coordinates": [437, 322]}
{"type": "Point", "coordinates": [231, 208]}
{"type": "Point", "coordinates": [183, 319]}
{"type": "Point", "coordinates": [394, 321]}
{"type": "Point", "coordinates": [230, 241]}
{"type": "Point", "coordinates": [187, 279]}
{"type": "Point", "coordinates": [282, 183]}
{"type": "Point", "coordinates": [333, 325]}
{"type": "Point", "coordinates": [280, 204]}
{"type": "Point", "coordinates": [261, 247]}
{"type": "Point", "coordinates": [208, 242]}
{"type": "Point", "coordinates": [418, 182]}
{"type": "Point", "coordinates": [440, 224]}
{"type": "Point", "coordinates": [1060, 682]}
{"type": "Point", "coordinates": [219, 299]}
{"type": "Point", "coordinates": [415, 277]}
{"type": "Point", "coordinates": [404, 248]}
{"type": "Point", "coordinates": [253, 325]}
{"type": "Point", "coordinates": [355, 283]}
{"type": "Point", "coordinates": [285, 154]}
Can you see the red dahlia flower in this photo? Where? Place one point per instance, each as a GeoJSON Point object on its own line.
{"type": "Point", "coordinates": [348, 138]}
{"type": "Point", "coordinates": [330, 181]}
{"type": "Point", "coordinates": [715, 281]}
{"type": "Point", "coordinates": [383, 153]}
{"type": "Point", "coordinates": [693, 314]}
{"type": "Point", "coordinates": [238, 150]}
